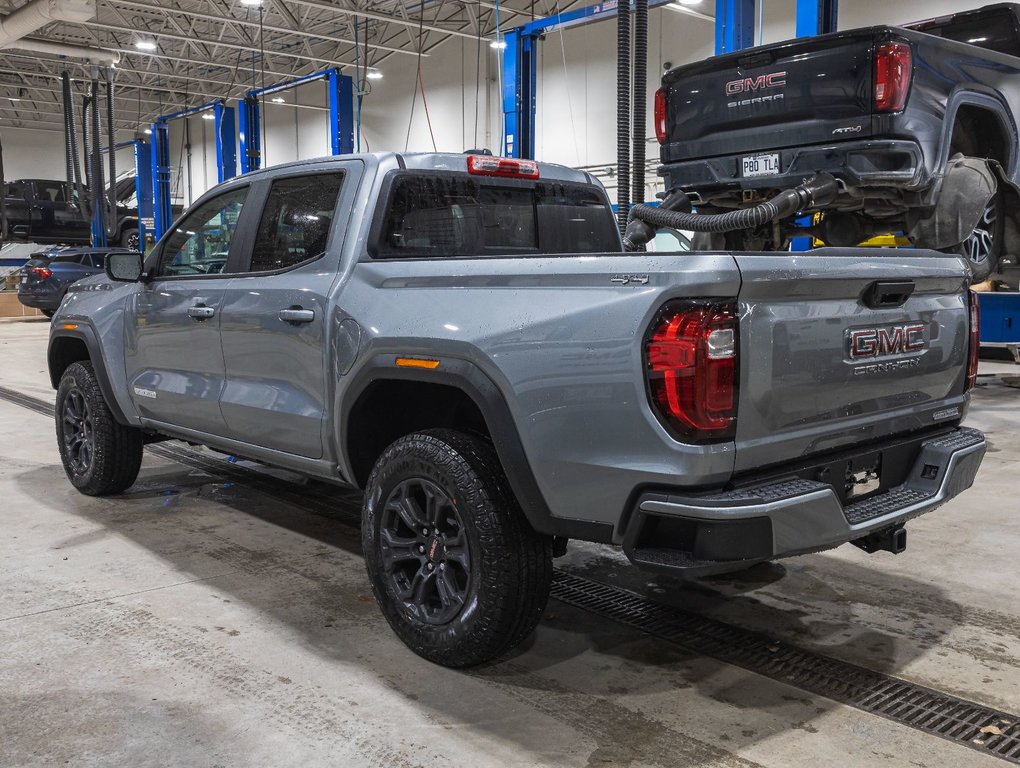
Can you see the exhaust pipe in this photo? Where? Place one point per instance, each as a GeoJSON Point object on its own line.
{"type": "Point", "coordinates": [893, 539]}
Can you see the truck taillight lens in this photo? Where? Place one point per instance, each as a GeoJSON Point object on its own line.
{"type": "Point", "coordinates": [973, 351]}
{"type": "Point", "coordinates": [691, 365]}
{"type": "Point", "coordinates": [41, 272]}
{"type": "Point", "coordinates": [892, 76]}
{"type": "Point", "coordinates": [660, 115]}
{"type": "Point", "coordinates": [486, 165]}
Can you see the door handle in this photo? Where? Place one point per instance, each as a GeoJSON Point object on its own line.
{"type": "Point", "coordinates": [201, 312]}
{"type": "Point", "coordinates": [297, 315]}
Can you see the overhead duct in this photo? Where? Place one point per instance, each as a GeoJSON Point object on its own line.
{"type": "Point", "coordinates": [92, 55]}
{"type": "Point", "coordinates": [36, 14]}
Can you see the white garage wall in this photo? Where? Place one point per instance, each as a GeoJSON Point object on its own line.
{"type": "Point", "coordinates": [576, 114]}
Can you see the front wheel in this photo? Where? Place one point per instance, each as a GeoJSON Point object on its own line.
{"type": "Point", "coordinates": [100, 456]}
{"type": "Point", "coordinates": [459, 573]}
{"type": "Point", "coordinates": [129, 239]}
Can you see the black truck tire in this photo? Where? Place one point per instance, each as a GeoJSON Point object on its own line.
{"type": "Point", "coordinates": [459, 573]}
{"type": "Point", "coordinates": [100, 456]}
{"type": "Point", "coordinates": [49, 313]}
{"type": "Point", "coordinates": [129, 239]}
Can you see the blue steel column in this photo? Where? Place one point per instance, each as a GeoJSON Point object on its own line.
{"type": "Point", "coordinates": [250, 116]}
{"type": "Point", "coordinates": [143, 190]}
{"type": "Point", "coordinates": [816, 17]}
{"type": "Point", "coordinates": [520, 64]}
{"type": "Point", "coordinates": [734, 25]}
{"type": "Point", "coordinates": [162, 209]}
{"type": "Point", "coordinates": [226, 142]}
{"type": "Point", "coordinates": [341, 112]}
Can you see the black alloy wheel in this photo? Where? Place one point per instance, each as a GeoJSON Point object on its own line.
{"type": "Point", "coordinates": [78, 432]}
{"type": "Point", "coordinates": [425, 552]}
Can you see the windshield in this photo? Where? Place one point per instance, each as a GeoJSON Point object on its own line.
{"type": "Point", "coordinates": [441, 215]}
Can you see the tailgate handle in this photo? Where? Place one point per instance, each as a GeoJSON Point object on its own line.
{"type": "Point", "coordinates": [888, 294]}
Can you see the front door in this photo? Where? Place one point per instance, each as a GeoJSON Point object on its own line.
{"type": "Point", "coordinates": [275, 319]}
{"type": "Point", "coordinates": [174, 357]}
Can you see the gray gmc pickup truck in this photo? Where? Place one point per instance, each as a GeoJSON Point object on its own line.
{"type": "Point", "coordinates": [462, 337]}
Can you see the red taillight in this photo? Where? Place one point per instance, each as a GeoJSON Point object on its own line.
{"type": "Point", "coordinates": [41, 272]}
{"type": "Point", "coordinates": [892, 76]}
{"type": "Point", "coordinates": [973, 351]}
{"type": "Point", "coordinates": [660, 115]}
{"type": "Point", "coordinates": [486, 165]}
{"type": "Point", "coordinates": [691, 364]}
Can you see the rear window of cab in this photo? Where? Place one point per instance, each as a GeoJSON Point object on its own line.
{"type": "Point", "coordinates": [437, 215]}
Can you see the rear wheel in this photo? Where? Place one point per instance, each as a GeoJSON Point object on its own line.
{"type": "Point", "coordinates": [100, 456]}
{"type": "Point", "coordinates": [457, 570]}
{"type": "Point", "coordinates": [984, 247]}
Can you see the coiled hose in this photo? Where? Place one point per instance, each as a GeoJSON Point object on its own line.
{"type": "Point", "coordinates": [3, 196]}
{"type": "Point", "coordinates": [111, 129]}
{"type": "Point", "coordinates": [640, 94]}
{"type": "Point", "coordinates": [71, 147]}
{"type": "Point", "coordinates": [623, 86]}
{"type": "Point", "coordinates": [644, 219]}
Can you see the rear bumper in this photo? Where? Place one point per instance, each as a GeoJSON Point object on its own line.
{"type": "Point", "coordinates": [41, 300]}
{"type": "Point", "coordinates": [859, 163]}
{"type": "Point", "coordinates": [728, 531]}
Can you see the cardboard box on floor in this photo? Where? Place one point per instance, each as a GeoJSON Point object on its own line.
{"type": "Point", "coordinates": [11, 307]}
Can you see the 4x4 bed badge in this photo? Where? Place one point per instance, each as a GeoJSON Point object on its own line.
{"type": "Point", "coordinates": [628, 279]}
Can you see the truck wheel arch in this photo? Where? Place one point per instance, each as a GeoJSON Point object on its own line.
{"type": "Point", "coordinates": [456, 395]}
{"type": "Point", "coordinates": [69, 346]}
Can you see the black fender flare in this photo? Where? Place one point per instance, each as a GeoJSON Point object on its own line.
{"type": "Point", "coordinates": [87, 334]}
{"type": "Point", "coordinates": [482, 390]}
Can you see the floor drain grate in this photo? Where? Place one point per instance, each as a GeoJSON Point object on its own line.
{"type": "Point", "coordinates": [981, 728]}
{"type": "Point", "coordinates": [986, 730]}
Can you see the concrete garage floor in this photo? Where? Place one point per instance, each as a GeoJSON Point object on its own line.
{"type": "Point", "coordinates": [197, 621]}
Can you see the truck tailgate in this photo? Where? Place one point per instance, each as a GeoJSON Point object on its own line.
{"type": "Point", "coordinates": [830, 357]}
{"type": "Point", "coordinates": [801, 92]}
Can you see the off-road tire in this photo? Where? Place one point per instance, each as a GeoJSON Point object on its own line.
{"type": "Point", "coordinates": [129, 239]}
{"type": "Point", "coordinates": [116, 450]}
{"type": "Point", "coordinates": [511, 564]}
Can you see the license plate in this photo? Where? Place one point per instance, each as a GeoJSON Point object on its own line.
{"type": "Point", "coordinates": [24, 279]}
{"type": "Point", "coordinates": [759, 165]}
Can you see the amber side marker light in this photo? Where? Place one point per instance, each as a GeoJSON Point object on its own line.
{"type": "Point", "coordinates": [415, 362]}
{"type": "Point", "coordinates": [70, 326]}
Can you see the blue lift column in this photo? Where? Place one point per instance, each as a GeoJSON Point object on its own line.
{"type": "Point", "coordinates": [734, 25]}
{"type": "Point", "coordinates": [226, 157]}
{"type": "Point", "coordinates": [339, 96]}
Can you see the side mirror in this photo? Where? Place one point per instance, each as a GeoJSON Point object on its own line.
{"type": "Point", "coordinates": [124, 267]}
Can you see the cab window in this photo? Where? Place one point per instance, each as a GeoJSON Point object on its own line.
{"type": "Point", "coordinates": [200, 244]}
{"type": "Point", "coordinates": [296, 221]}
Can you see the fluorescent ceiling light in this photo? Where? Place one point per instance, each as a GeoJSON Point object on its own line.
{"type": "Point", "coordinates": [689, 2]}
{"type": "Point", "coordinates": [148, 131]}
{"type": "Point", "coordinates": [145, 45]}
{"type": "Point", "coordinates": [208, 116]}
{"type": "Point", "coordinates": [14, 98]}
{"type": "Point", "coordinates": [251, 2]}
{"type": "Point", "coordinates": [374, 74]}
{"type": "Point", "coordinates": [279, 100]}
{"type": "Point", "coordinates": [498, 44]}
{"type": "Point", "coordinates": [978, 40]}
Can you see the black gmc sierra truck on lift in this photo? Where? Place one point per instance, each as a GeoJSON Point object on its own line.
{"type": "Point", "coordinates": [916, 125]}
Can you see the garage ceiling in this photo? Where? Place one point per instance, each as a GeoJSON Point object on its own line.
{"type": "Point", "coordinates": [208, 49]}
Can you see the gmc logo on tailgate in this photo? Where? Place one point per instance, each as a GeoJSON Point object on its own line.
{"type": "Point", "coordinates": [865, 343]}
{"type": "Point", "coordinates": [752, 84]}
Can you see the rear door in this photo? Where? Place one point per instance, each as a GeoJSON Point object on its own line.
{"type": "Point", "coordinates": [788, 94]}
{"type": "Point", "coordinates": [846, 346]}
{"type": "Point", "coordinates": [175, 361]}
{"type": "Point", "coordinates": [276, 321]}
{"type": "Point", "coordinates": [56, 218]}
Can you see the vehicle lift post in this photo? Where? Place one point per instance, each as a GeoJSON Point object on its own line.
{"type": "Point", "coordinates": [340, 93]}
{"type": "Point", "coordinates": [226, 157]}
{"type": "Point", "coordinates": [142, 151]}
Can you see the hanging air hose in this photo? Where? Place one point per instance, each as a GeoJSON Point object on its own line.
{"type": "Point", "coordinates": [819, 190]}
{"type": "Point", "coordinates": [623, 86]}
{"type": "Point", "coordinates": [111, 130]}
{"type": "Point", "coordinates": [71, 147]}
{"type": "Point", "coordinates": [640, 93]}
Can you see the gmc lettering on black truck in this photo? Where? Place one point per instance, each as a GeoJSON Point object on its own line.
{"type": "Point", "coordinates": [917, 125]}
